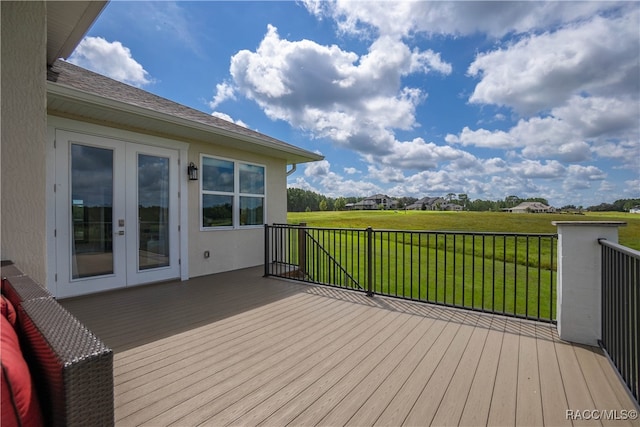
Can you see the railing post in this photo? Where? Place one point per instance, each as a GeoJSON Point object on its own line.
{"type": "Point", "coordinates": [579, 308]}
{"type": "Point", "coordinates": [369, 261]}
{"type": "Point", "coordinates": [302, 249]}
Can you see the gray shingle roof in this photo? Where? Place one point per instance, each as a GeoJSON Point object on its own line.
{"type": "Point", "coordinates": [69, 75]}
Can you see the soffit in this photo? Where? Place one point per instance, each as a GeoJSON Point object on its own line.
{"type": "Point", "coordinates": [67, 23]}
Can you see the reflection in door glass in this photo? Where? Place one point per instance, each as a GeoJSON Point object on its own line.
{"type": "Point", "coordinates": [91, 211]}
{"type": "Point", "coordinates": [153, 211]}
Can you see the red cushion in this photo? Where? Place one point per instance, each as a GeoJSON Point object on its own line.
{"type": "Point", "coordinates": [7, 310]}
{"type": "Point", "coordinates": [19, 401]}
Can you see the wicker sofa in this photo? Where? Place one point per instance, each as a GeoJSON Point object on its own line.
{"type": "Point", "coordinates": [72, 369]}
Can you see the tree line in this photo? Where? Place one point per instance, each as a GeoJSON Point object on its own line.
{"type": "Point", "coordinates": [299, 200]}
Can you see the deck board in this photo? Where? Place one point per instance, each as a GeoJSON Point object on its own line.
{"type": "Point", "coordinates": [434, 390]}
{"type": "Point", "coordinates": [505, 387]}
{"type": "Point", "coordinates": [475, 410]}
{"type": "Point", "coordinates": [450, 410]}
{"type": "Point", "coordinates": [553, 404]}
{"type": "Point", "coordinates": [239, 349]}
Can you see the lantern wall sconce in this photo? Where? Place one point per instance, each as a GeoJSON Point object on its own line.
{"type": "Point", "coordinates": [192, 170]}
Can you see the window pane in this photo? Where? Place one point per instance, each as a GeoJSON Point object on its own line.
{"type": "Point", "coordinates": [153, 211]}
{"type": "Point", "coordinates": [251, 179]}
{"type": "Point", "coordinates": [217, 211]}
{"type": "Point", "coordinates": [217, 175]}
{"type": "Point", "coordinates": [251, 211]}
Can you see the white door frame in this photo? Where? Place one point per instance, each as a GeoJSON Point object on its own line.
{"type": "Point", "coordinates": [118, 136]}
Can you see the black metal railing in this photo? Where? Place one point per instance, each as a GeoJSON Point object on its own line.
{"type": "Point", "coordinates": [620, 310]}
{"type": "Point", "coordinates": [504, 273]}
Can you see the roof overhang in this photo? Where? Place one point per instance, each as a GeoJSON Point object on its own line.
{"type": "Point", "coordinates": [67, 23]}
{"type": "Point", "coordinates": [65, 101]}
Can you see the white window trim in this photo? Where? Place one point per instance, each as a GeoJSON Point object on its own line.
{"type": "Point", "coordinates": [235, 213]}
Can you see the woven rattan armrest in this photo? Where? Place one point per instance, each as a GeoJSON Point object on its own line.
{"type": "Point", "coordinates": [71, 366]}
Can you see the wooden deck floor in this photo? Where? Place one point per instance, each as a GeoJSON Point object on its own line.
{"type": "Point", "coordinates": [239, 349]}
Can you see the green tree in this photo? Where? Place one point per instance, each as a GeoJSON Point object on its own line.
{"type": "Point", "coordinates": [464, 199]}
{"type": "Point", "coordinates": [511, 201]}
{"type": "Point", "coordinates": [339, 204]}
{"type": "Point", "coordinates": [323, 205]}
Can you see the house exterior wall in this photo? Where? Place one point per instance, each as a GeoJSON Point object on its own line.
{"type": "Point", "coordinates": [23, 133]}
{"type": "Point", "coordinates": [238, 248]}
{"type": "Point", "coordinates": [229, 249]}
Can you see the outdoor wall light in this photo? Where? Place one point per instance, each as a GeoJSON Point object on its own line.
{"type": "Point", "coordinates": [192, 170]}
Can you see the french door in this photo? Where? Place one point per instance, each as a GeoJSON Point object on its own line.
{"type": "Point", "coordinates": [116, 214]}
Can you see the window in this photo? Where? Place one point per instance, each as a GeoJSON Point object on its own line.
{"type": "Point", "coordinates": [232, 193]}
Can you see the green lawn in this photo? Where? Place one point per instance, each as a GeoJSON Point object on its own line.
{"type": "Point", "coordinates": [465, 221]}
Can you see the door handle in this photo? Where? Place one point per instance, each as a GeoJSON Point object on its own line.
{"type": "Point", "coordinates": [121, 233]}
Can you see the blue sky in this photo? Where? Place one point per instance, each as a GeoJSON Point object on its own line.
{"type": "Point", "coordinates": [491, 99]}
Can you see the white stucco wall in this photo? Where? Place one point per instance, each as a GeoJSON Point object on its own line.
{"type": "Point", "coordinates": [239, 248]}
{"type": "Point", "coordinates": [23, 133]}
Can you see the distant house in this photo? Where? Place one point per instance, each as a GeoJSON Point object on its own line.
{"type": "Point", "coordinates": [635, 209]}
{"type": "Point", "coordinates": [531, 207]}
{"type": "Point", "coordinates": [429, 204]}
{"type": "Point", "coordinates": [450, 207]}
{"type": "Point", "coordinates": [377, 201]}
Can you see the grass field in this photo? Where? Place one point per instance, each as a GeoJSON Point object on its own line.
{"type": "Point", "coordinates": [629, 235]}
{"type": "Point", "coordinates": [505, 274]}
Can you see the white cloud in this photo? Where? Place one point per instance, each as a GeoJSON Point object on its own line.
{"type": "Point", "coordinates": [572, 132]}
{"type": "Point", "coordinates": [404, 18]}
{"type": "Point", "coordinates": [632, 188]}
{"type": "Point", "coordinates": [385, 174]}
{"type": "Point", "coordinates": [357, 101]}
{"type": "Point", "coordinates": [224, 91]}
{"type": "Point", "coordinates": [582, 177]}
{"type": "Point", "coordinates": [536, 169]}
{"type": "Point", "coordinates": [351, 171]}
{"type": "Point", "coordinates": [110, 59]}
{"type": "Point", "coordinates": [317, 169]}
{"type": "Point", "coordinates": [228, 118]}
{"type": "Point", "coordinates": [539, 72]}
{"type": "Point", "coordinates": [482, 138]}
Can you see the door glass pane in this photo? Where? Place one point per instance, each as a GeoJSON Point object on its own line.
{"type": "Point", "coordinates": [153, 211]}
{"type": "Point", "coordinates": [91, 211]}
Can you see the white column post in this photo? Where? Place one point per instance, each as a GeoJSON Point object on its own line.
{"type": "Point", "coordinates": [579, 309]}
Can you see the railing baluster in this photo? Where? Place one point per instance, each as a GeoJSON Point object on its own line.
{"type": "Point", "coordinates": [428, 269]}
{"type": "Point", "coordinates": [369, 261]}
{"type": "Point", "coordinates": [464, 262]}
{"type": "Point", "coordinates": [526, 279]}
{"type": "Point", "coordinates": [444, 287]}
{"type": "Point", "coordinates": [437, 265]}
{"type": "Point", "coordinates": [454, 269]}
{"type": "Point", "coordinates": [493, 274]}
{"type": "Point", "coordinates": [539, 270]}
{"type": "Point", "coordinates": [473, 272]}
{"type": "Point", "coordinates": [395, 260]}
{"type": "Point", "coordinates": [515, 274]}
